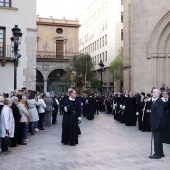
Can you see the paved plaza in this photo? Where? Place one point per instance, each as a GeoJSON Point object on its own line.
{"type": "Point", "coordinates": [104, 145]}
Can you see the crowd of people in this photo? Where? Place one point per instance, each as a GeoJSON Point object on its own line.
{"type": "Point", "coordinates": [27, 111]}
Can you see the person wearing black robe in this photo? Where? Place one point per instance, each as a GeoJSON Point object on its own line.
{"type": "Point", "coordinates": [96, 97]}
{"type": "Point", "coordinates": [61, 104]}
{"type": "Point", "coordinates": [168, 122]}
{"type": "Point", "coordinates": [84, 105]}
{"type": "Point", "coordinates": [165, 119]}
{"type": "Point", "coordinates": [130, 110]}
{"type": "Point", "coordinates": [146, 127]}
{"type": "Point", "coordinates": [79, 100]}
{"type": "Point", "coordinates": [91, 107]}
{"type": "Point", "coordinates": [17, 117]}
{"type": "Point", "coordinates": [122, 107]}
{"type": "Point", "coordinates": [117, 103]}
{"type": "Point", "coordinates": [140, 107]}
{"type": "Point", "coordinates": [71, 118]}
{"type": "Point", "coordinates": [55, 109]}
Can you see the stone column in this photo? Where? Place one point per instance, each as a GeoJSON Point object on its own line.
{"type": "Point", "coordinates": [45, 85]}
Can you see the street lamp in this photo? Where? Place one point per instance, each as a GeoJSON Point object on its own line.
{"type": "Point", "coordinates": [101, 69]}
{"type": "Point", "coordinates": [16, 41]}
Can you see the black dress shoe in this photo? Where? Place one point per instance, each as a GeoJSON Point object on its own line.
{"type": "Point", "coordinates": [155, 157]}
{"type": "Point", "coordinates": [42, 129]}
{"type": "Point", "coordinates": [23, 143]}
{"type": "Point", "coordinates": [162, 155]}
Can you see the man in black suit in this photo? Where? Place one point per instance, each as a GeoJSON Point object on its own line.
{"type": "Point", "coordinates": [156, 124]}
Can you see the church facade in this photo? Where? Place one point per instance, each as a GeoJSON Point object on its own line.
{"type": "Point", "coordinates": [146, 44]}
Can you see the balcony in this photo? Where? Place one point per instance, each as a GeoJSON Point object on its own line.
{"type": "Point", "coordinates": [52, 55]}
{"type": "Point", "coordinates": [5, 54]}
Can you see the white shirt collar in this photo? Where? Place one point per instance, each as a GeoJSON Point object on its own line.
{"type": "Point", "coordinates": [71, 99]}
{"type": "Point", "coordinates": [154, 99]}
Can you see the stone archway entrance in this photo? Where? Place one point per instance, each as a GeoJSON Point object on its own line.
{"type": "Point", "coordinates": [39, 81]}
{"type": "Point", "coordinates": [159, 52]}
{"type": "Point", "coordinates": [56, 83]}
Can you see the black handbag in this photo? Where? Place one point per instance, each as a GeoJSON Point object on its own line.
{"type": "Point", "coordinates": [7, 139]}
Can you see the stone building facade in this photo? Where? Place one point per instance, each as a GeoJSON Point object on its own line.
{"type": "Point", "coordinates": [57, 42]}
{"type": "Point", "coordinates": [15, 12]}
{"type": "Point", "coordinates": [146, 44]}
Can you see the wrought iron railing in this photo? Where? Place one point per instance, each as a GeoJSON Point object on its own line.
{"type": "Point", "coordinates": [52, 55]}
{"type": "Point", "coordinates": [6, 52]}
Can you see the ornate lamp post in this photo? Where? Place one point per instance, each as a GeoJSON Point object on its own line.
{"type": "Point", "coordinates": [16, 41]}
{"type": "Point", "coordinates": [101, 69]}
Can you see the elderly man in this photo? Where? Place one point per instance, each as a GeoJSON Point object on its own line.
{"type": "Point", "coordinates": [157, 110]}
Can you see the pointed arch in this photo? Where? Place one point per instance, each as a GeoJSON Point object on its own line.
{"type": "Point", "coordinates": [159, 38]}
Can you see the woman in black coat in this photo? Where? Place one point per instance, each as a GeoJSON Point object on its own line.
{"type": "Point", "coordinates": [17, 117]}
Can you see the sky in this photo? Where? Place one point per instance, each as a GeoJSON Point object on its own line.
{"type": "Point", "coordinates": [70, 9]}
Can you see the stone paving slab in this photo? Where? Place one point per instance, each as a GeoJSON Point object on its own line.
{"type": "Point", "coordinates": [104, 145]}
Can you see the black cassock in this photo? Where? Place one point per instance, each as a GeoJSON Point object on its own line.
{"type": "Point", "coordinates": [140, 111]}
{"type": "Point", "coordinates": [130, 111]}
{"type": "Point", "coordinates": [91, 108]}
{"type": "Point", "coordinates": [118, 110]}
{"type": "Point", "coordinates": [70, 127]}
{"type": "Point", "coordinates": [84, 107]}
{"type": "Point", "coordinates": [146, 127]}
{"type": "Point", "coordinates": [166, 123]}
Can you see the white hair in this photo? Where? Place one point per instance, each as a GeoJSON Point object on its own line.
{"type": "Point", "coordinates": [14, 99]}
{"type": "Point", "coordinates": [47, 94]}
{"type": "Point", "coordinates": [158, 90]}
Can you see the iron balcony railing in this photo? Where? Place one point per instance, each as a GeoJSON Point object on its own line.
{"type": "Point", "coordinates": [6, 52]}
{"type": "Point", "coordinates": [52, 55]}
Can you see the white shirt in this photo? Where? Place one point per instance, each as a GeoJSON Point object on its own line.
{"type": "Point", "coordinates": [57, 102]}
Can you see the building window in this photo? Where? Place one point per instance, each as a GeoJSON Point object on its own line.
{"type": "Point", "coordinates": [5, 3]}
{"type": "Point", "coordinates": [105, 56]}
{"type": "Point", "coordinates": [102, 41]}
{"type": "Point", "coordinates": [97, 44]}
{"type": "Point", "coordinates": [122, 34]}
{"type": "Point", "coordinates": [121, 2]}
{"type": "Point", "coordinates": [2, 36]}
{"type": "Point", "coordinates": [100, 57]}
{"type": "Point", "coordinates": [105, 72]}
{"type": "Point", "coordinates": [95, 60]}
{"type": "Point", "coordinates": [105, 39]}
{"type": "Point", "coordinates": [121, 17]}
{"type": "Point", "coordinates": [59, 30]}
{"type": "Point", "coordinates": [106, 24]}
{"type": "Point", "coordinates": [59, 48]}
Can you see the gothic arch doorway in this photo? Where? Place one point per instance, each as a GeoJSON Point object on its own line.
{"type": "Point", "coordinates": [56, 83]}
{"type": "Point", "coordinates": [39, 81]}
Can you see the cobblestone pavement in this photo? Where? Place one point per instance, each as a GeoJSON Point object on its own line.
{"type": "Point", "coordinates": [104, 145]}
